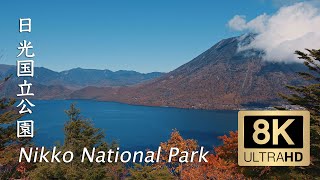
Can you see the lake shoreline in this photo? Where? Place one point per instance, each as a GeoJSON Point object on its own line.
{"type": "Point", "coordinates": [133, 126]}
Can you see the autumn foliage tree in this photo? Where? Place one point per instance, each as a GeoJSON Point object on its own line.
{"type": "Point", "coordinates": [215, 168]}
{"type": "Point", "coordinates": [222, 164]}
{"type": "Point", "coordinates": [9, 143]}
{"type": "Point", "coordinates": [224, 167]}
{"type": "Point", "coordinates": [177, 141]}
{"type": "Point", "coordinates": [228, 151]}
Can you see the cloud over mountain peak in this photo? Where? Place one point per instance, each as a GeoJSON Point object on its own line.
{"type": "Point", "coordinates": [291, 28]}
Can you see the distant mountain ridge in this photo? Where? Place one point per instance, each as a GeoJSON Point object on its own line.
{"type": "Point", "coordinates": [51, 84]}
{"type": "Point", "coordinates": [78, 78]}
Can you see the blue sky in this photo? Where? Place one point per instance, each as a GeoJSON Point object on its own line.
{"type": "Point", "coordinates": [140, 35]}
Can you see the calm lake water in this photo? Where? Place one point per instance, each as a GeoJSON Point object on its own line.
{"type": "Point", "coordinates": [133, 127]}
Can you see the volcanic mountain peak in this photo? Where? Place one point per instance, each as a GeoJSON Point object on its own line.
{"type": "Point", "coordinates": [225, 51]}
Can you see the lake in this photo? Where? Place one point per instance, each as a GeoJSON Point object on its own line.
{"type": "Point", "coordinates": [133, 127]}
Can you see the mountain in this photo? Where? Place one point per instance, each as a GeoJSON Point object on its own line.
{"type": "Point", "coordinates": [219, 78]}
{"type": "Point", "coordinates": [101, 78]}
{"type": "Point", "coordinates": [48, 84]}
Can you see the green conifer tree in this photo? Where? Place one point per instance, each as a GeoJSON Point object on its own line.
{"type": "Point", "coordinates": [308, 97]}
{"type": "Point", "coordinates": [139, 172]}
{"type": "Point", "coordinates": [79, 133]}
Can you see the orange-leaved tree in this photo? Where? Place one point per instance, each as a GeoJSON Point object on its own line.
{"type": "Point", "coordinates": [177, 141]}
{"type": "Point", "coordinates": [228, 151]}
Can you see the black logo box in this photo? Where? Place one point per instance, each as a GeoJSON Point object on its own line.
{"type": "Point", "coordinates": [294, 130]}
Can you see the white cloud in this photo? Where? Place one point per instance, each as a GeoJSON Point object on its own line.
{"type": "Point", "coordinates": [238, 23]}
{"type": "Point", "coordinates": [294, 27]}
